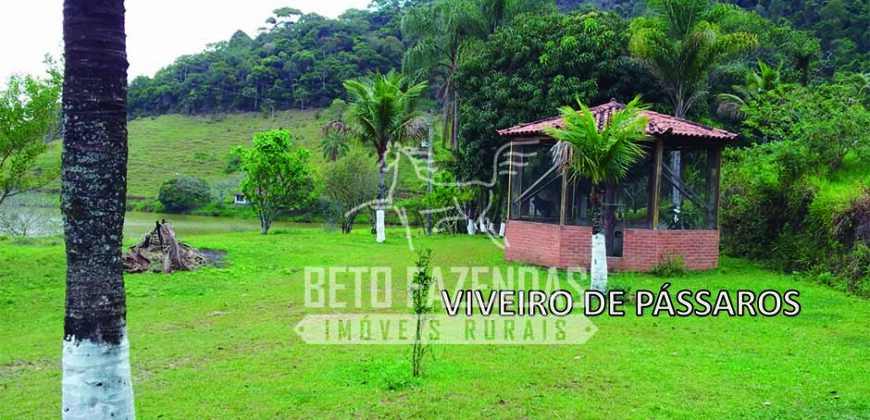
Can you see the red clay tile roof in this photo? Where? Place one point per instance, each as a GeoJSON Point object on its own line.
{"type": "Point", "coordinates": [658, 124]}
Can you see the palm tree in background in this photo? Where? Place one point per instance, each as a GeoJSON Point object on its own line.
{"type": "Point", "coordinates": [382, 113]}
{"type": "Point", "coordinates": [333, 146]}
{"type": "Point", "coordinates": [730, 105]}
{"type": "Point", "coordinates": [96, 364]}
{"type": "Point", "coordinates": [681, 46]}
{"type": "Point", "coordinates": [603, 156]}
{"type": "Point", "coordinates": [444, 33]}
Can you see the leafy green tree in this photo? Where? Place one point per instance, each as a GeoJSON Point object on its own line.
{"type": "Point", "coordinates": [798, 50]}
{"type": "Point", "coordinates": [497, 13]}
{"type": "Point", "coordinates": [382, 113]}
{"type": "Point", "coordinates": [277, 177]}
{"type": "Point", "coordinates": [96, 353]}
{"type": "Point", "coordinates": [531, 67]}
{"type": "Point", "coordinates": [29, 109]}
{"type": "Point", "coordinates": [183, 194]}
{"type": "Point", "coordinates": [603, 156]}
{"type": "Point", "coordinates": [840, 25]}
{"type": "Point", "coordinates": [766, 79]}
{"type": "Point", "coordinates": [349, 183]}
{"type": "Point", "coordinates": [420, 285]}
{"type": "Point", "coordinates": [860, 82]}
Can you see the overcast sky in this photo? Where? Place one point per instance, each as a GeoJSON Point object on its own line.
{"type": "Point", "coordinates": [158, 31]}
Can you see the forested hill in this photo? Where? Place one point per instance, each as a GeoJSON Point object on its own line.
{"type": "Point", "coordinates": [300, 60]}
{"type": "Point", "coordinates": [296, 61]}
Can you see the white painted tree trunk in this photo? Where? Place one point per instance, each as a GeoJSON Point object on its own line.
{"type": "Point", "coordinates": [675, 193]}
{"type": "Point", "coordinates": [379, 226]}
{"type": "Point", "coordinates": [598, 271]}
{"type": "Point", "coordinates": [470, 227]}
{"type": "Point", "coordinates": [501, 230]}
{"type": "Point", "coordinates": [96, 380]}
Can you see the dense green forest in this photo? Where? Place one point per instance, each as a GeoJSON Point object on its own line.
{"type": "Point", "coordinates": [790, 76]}
{"type": "Point", "coordinates": [299, 60]}
{"type": "Point", "coordinates": [296, 61]}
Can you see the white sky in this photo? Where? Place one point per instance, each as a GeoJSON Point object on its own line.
{"type": "Point", "coordinates": [158, 31]}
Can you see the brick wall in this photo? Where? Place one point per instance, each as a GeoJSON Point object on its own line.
{"type": "Point", "coordinates": [533, 243]}
{"type": "Point", "coordinates": [569, 246]}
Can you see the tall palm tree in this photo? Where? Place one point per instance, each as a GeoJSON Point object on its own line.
{"type": "Point", "coordinates": [442, 33]}
{"type": "Point", "coordinates": [602, 156]}
{"type": "Point", "coordinates": [96, 364]}
{"type": "Point", "coordinates": [382, 113]}
{"type": "Point", "coordinates": [681, 46]}
{"type": "Point", "coordinates": [730, 105]}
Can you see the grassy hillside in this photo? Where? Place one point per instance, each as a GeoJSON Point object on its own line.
{"type": "Point", "coordinates": [172, 145]}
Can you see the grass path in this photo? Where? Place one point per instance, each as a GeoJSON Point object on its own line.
{"type": "Point", "coordinates": [219, 343]}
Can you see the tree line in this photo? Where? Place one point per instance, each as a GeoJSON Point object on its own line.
{"type": "Point", "coordinates": [299, 60]}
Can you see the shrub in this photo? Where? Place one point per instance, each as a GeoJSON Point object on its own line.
{"type": "Point", "coordinates": [671, 266]}
{"type": "Point", "coordinates": [348, 184]}
{"type": "Point", "coordinates": [183, 194]}
{"type": "Point", "coordinates": [147, 206]}
{"type": "Point", "coordinates": [795, 199]}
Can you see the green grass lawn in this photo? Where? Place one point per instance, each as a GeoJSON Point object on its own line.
{"type": "Point", "coordinates": [219, 343]}
{"type": "Point", "coordinates": [167, 146]}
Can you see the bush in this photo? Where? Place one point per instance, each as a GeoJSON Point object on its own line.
{"type": "Point", "coordinates": [672, 266]}
{"type": "Point", "coordinates": [147, 206]}
{"type": "Point", "coordinates": [349, 183]}
{"type": "Point", "coordinates": [795, 199]}
{"type": "Point", "coordinates": [183, 194]}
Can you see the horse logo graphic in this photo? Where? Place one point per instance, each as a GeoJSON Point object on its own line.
{"type": "Point", "coordinates": [505, 162]}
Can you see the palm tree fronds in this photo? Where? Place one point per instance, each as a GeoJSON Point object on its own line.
{"type": "Point", "coordinates": [603, 155]}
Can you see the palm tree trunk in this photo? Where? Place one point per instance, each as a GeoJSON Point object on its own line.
{"type": "Point", "coordinates": [676, 167]}
{"type": "Point", "coordinates": [680, 112]}
{"type": "Point", "coordinates": [598, 269]}
{"type": "Point", "coordinates": [445, 130]}
{"type": "Point", "coordinates": [379, 212]}
{"type": "Point", "coordinates": [96, 365]}
{"type": "Point", "coordinates": [454, 133]}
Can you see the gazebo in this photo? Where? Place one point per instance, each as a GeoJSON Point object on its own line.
{"type": "Point", "coordinates": [656, 214]}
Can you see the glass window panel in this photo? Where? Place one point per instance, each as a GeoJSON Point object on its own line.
{"type": "Point", "coordinates": [536, 186]}
{"type": "Point", "coordinates": [685, 202]}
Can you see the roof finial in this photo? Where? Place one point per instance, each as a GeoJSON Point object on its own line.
{"type": "Point", "coordinates": [613, 100]}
